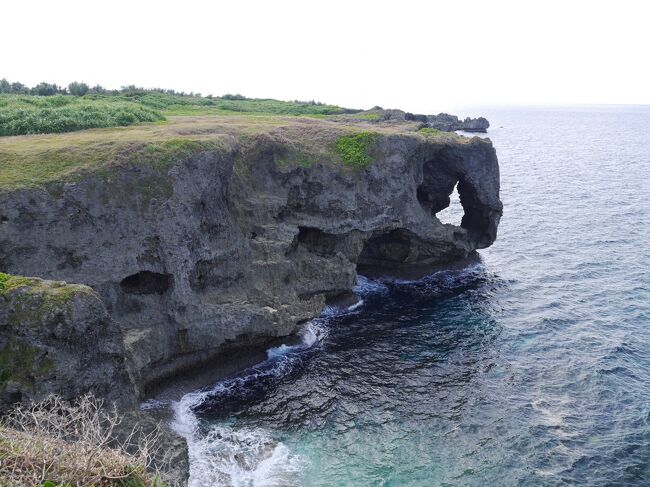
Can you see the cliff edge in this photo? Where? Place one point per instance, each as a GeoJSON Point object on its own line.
{"type": "Point", "coordinates": [210, 233]}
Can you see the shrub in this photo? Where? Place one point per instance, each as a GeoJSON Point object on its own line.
{"type": "Point", "coordinates": [21, 115]}
{"type": "Point", "coordinates": [58, 443]}
{"type": "Point", "coordinates": [47, 89]}
{"type": "Point", "coordinates": [99, 107]}
{"type": "Point", "coordinates": [354, 149]}
{"type": "Point", "coordinates": [78, 89]}
{"type": "Point", "coordinates": [229, 96]}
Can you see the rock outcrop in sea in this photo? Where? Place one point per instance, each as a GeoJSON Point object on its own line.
{"type": "Point", "coordinates": [443, 121]}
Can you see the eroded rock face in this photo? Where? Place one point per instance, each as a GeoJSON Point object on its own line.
{"type": "Point", "coordinates": [443, 121]}
{"type": "Point", "coordinates": [57, 338]}
{"type": "Point", "coordinates": [449, 123]}
{"type": "Point", "coordinates": [244, 248]}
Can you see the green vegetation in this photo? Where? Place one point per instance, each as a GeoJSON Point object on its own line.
{"type": "Point", "coordinates": [66, 157]}
{"type": "Point", "coordinates": [9, 282]}
{"type": "Point", "coordinates": [21, 115]}
{"type": "Point", "coordinates": [354, 150]}
{"type": "Point", "coordinates": [36, 300]}
{"type": "Point", "coordinates": [373, 117]}
{"type": "Point", "coordinates": [196, 105]}
{"type": "Point", "coordinates": [49, 108]}
{"type": "Point", "coordinates": [432, 131]}
{"type": "Point", "coordinates": [48, 161]}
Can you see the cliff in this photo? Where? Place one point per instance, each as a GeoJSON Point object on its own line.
{"type": "Point", "coordinates": [210, 233]}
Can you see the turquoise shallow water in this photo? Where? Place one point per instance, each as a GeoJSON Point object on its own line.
{"type": "Point", "coordinates": [529, 367]}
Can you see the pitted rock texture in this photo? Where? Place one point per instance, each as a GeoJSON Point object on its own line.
{"type": "Point", "coordinates": [443, 121]}
{"type": "Point", "coordinates": [57, 338]}
{"type": "Point", "coordinates": [244, 247]}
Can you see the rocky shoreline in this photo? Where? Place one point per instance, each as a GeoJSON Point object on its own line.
{"type": "Point", "coordinates": [232, 244]}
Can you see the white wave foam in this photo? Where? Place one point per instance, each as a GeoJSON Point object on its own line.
{"type": "Point", "coordinates": [356, 305]}
{"type": "Point", "coordinates": [331, 311]}
{"type": "Point", "coordinates": [444, 276]}
{"type": "Point", "coordinates": [366, 286]}
{"type": "Point", "coordinates": [154, 404]}
{"type": "Point", "coordinates": [310, 334]}
{"type": "Point", "coordinates": [240, 457]}
{"type": "Point", "coordinates": [226, 456]}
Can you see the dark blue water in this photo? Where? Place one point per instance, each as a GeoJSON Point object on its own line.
{"type": "Point", "coordinates": [530, 367]}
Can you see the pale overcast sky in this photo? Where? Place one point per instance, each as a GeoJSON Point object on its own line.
{"type": "Point", "coordinates": [417, 55]}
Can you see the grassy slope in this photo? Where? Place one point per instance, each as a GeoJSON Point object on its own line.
{"type": "Point", "coordinates": [25, 114]}
{"type": "Point", "coordinates": [311, 133]}
{"type": "Point", "coordinates": [36, 160]}
{"type": "Point", "coordinates": [20, 115]}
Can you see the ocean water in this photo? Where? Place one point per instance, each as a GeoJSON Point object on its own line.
{"type": "Point", "coordinates": [531, 366]}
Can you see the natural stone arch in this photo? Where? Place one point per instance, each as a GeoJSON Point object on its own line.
{"type": "Point", "coordinates": [441, 174]}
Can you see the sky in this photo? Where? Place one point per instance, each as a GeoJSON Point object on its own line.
{"type": "Point", "coordinates": [421, 56]}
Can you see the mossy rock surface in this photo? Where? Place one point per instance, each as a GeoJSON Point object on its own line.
{"type": "Point", "coordinates": [34, 299]}
{"type": "Point", "coordinates": [56, 337]}
{"type": "Point", "coordinates": [32, 303]}
{"type": "Point", "coordinates": [23, 364]}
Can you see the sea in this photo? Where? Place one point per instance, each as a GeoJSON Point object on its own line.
{"type": "Point", "coordinates": [529, 366]}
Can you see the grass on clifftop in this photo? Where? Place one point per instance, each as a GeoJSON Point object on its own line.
{"type": "Point", "coordinates": [39, 160]}
{"type": "Point", "coordinates": [21, 115]}
{"type": "Point", "coordinates": [35, 297]}
{"type": "Point", "coordinates": [30, 162]}
{"type": "Point", "coordinates": [436, 132]}
{"type": "Point", "coordinates": [354, 149]}
{"type": "Point", "coordinates": [27, 114]}
{"type": "Point", "coordinates": [175, 105]}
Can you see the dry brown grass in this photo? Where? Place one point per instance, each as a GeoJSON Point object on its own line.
{"type": "Point", "coordinates": [74, 445]}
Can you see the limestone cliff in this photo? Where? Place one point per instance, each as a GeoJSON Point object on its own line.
{"type": "Point", "coordinates": [247, 234]}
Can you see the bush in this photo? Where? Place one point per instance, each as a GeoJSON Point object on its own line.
{"type": "Point", "coordinates": [78, 89]}
{"type": "Point", "coordinates": [229, 96]}
{"type": "Point", "coordinates": [47, 89]}
{"type": "Point", "coordinates": [51, 110]}
{"type": "Point", "coordinates": [57, 443]}
{"type": "Point", "coordinates": [22, 115]}
{"type": "Point", "coordinates": [355, 149]}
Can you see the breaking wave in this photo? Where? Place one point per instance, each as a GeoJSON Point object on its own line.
{"type": "Point", "coordinates": [226, 455]}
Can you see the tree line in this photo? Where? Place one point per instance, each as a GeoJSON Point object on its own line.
{"type": "Point", "coordinates": [77, 88]}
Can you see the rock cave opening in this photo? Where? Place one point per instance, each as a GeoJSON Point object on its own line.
{"type": "Point", "coordinates": [316, 241]}
{"type": "Point", "coordinates": [386, 250]}
{"type": "Point", "coordinates": [402, 253]}
{"type": "Point", "coordinates": [147, 282]}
